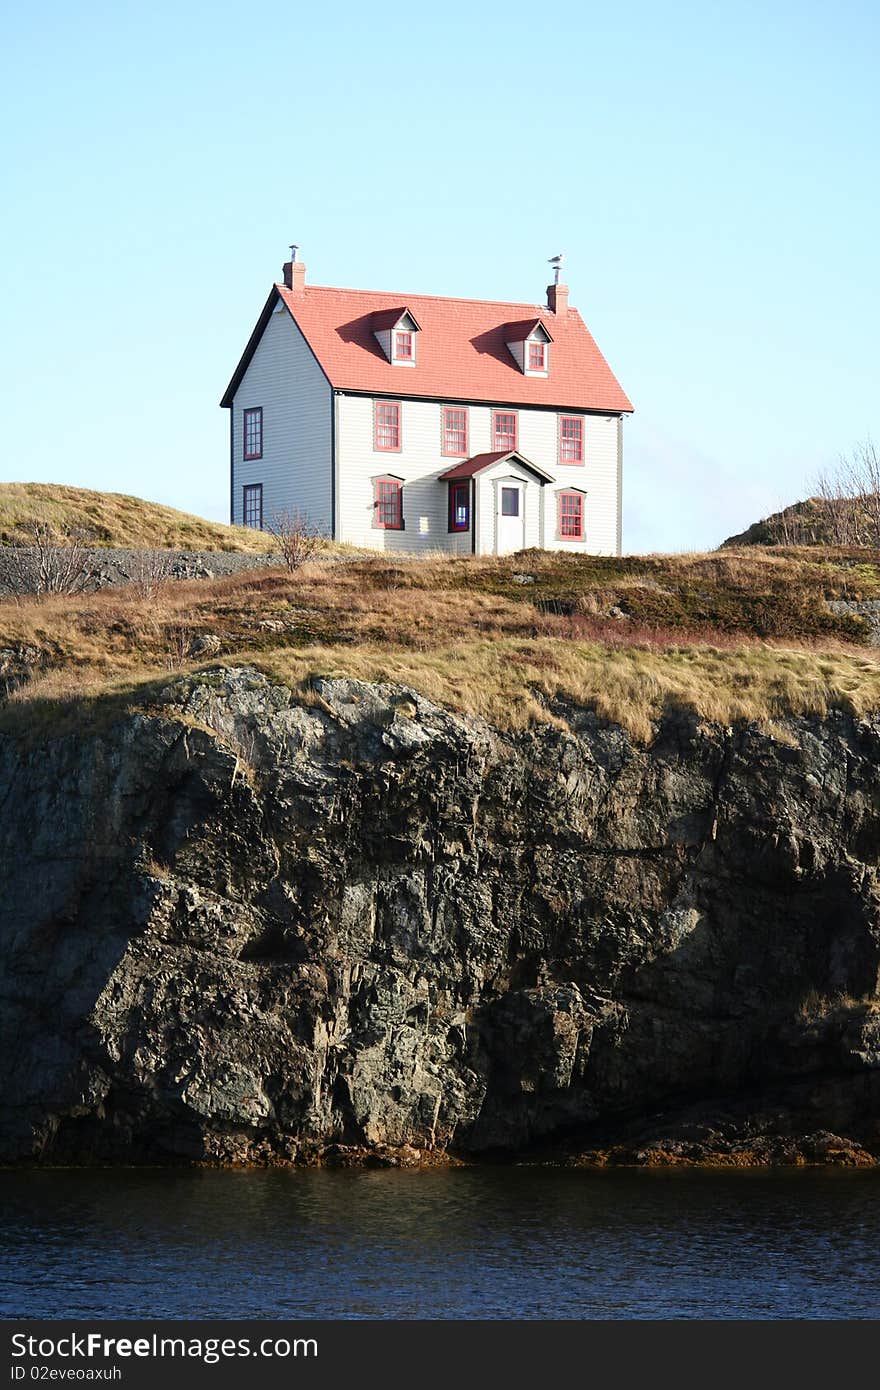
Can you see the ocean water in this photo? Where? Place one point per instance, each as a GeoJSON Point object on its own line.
{"type": "Point", "coordinates": [488, 1242]}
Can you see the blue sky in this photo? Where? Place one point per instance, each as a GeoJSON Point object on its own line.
{"type": "Point", "coordinates": [712, 172]}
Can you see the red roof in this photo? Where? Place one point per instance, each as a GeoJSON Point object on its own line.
{"type": "Point", "coordinates": [462, 350]}
{"type": "Point", "coordinates": [468, 467]}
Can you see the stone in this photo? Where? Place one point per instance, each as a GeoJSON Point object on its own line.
{"type": "Point", "coordinates": [205, 644]}
{"type": "Point", "coordinates": [238, 928]}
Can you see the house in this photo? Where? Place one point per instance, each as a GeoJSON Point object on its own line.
{"type": "Point", "coordinates": [409, 422]}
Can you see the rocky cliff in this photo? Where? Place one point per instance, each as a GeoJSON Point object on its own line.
{"type": "Point", "coordinates": [240, 928]}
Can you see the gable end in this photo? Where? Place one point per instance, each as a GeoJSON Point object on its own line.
{"type": "Point", "coordinates": [275, 301]}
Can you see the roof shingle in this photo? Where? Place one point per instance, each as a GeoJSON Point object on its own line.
{"type": "Point", "coordinates": [462, 353]}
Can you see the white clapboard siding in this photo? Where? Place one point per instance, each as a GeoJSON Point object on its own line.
{"type": "Point", "coordinates": [480, 429]}
{"type": "Point", "coordinates": [420, 464]}
{"type": "Point", "coordinates": [297, 465]}
{"type": "Point", "coordinates": [518, 351]}
{"type": "Point", "coordinates": [600, 483]}
{"type": "Point", "coordinates": [596, 477]}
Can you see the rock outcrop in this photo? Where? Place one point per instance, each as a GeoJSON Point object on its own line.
{"type": "Point", "coordinates": [237, 927]}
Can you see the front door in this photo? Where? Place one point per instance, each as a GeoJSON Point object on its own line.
{"type": "Point", "coordinates": [510, 516]}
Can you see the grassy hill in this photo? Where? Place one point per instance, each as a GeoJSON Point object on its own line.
{"type": "Point", "coordinates": [814, 521]}
{"type": "Point", "coordinates": [113, 519]}
{"type": "Point", "coordinates": [745, 634]}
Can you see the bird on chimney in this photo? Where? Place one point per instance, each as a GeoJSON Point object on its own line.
{"type": "Point", "coordinates": [556, 262]}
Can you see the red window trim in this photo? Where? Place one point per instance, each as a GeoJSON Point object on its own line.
{"type": "Point", "coordinates": [387, 448]}
{"type": "Point", "coordinates": [455, 453]}
{"type": "Point", "coordinates": [537, 346]}
{"type": "Point", "coordinates": [397, 523]}
{"type": "Point", "coordinates": [456, 486]}
{"type": "Point", "coordinates": [568, 535]}
{"type": "Point", "coordinates": [571, 463]}
{"type": "Point", "coordinates": [515, 444]}
{"type": "Point", "coordinates": [252, 412]}
{"type": "Point", "coordinates": [251, 488]}
{"type": "Point", "coordinates": [408, 334]}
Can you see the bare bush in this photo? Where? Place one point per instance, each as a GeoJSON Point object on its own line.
{"type": "Point", "coordinates": [864, 465]}
{"type": "Point", "coordinates": [43, 560]}
{"type": "Point", "coordinates": [790, 527]}
{"type": "Point", "coordinates": [298, 539]}
{"type": "Point", "coordinates": [149, 570]}
{"type": "Point", "coordinates": [850, 495]}
{"type": "Point", "coordinates": [839, 493]}
{"type": "Point", "coordinates": [177, 641]}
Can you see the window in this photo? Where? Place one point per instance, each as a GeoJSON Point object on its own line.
{"type": "Point", "coordinates": [455, 430]}
{"type": "Point", "coordinates": [510, 501]}
{"type": "Point", "coordinates": [403, 347]}
{"type": "Point", "coordinates": [253, 433]}
{"type": "Point", "coordinates": [504, 431]}
{"type": "Point", "coordinates": [460, 506]}
{"type": "Point", "coordinates": [571, 516]}
{"type": "Point", "coordinates": [388, 504]}
{"type": "Point", "coordinates": [537, 357]}
{"type": "Point", "coordinates": [571, 439]}
{"type": "Point", "coordinates": [387, 426]}
{"type": "Point", "coordinates": [253, 506]}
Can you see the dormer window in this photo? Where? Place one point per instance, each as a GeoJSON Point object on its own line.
{"type": "Point", "coordinates": [529, 345]}
{"type": "Point", "coordinates": [396, 332]}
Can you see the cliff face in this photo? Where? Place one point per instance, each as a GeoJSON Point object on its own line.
{"type": "Point", "coordinates": [237, 929]}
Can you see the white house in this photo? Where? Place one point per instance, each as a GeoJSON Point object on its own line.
{"type": "Point", "coordinates": [415, 423]}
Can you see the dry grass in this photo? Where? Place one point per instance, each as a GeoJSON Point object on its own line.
{"type": "Point", "coordinates": [765, 593]}
{"type": "Point", "coordinates": [113, 519]}
{"type": "Point", "coordinates": [816, 1007]}
{"type": "Point", "coordinates": [468, 636]}
{"type": "Point", "coordinates": [514, 683]}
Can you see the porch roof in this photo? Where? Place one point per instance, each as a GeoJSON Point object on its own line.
{"type": "Point", "coordinates": [467, 468]}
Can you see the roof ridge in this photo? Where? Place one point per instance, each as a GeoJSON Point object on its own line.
{"type": "Point", "coordinates": [447, 298]}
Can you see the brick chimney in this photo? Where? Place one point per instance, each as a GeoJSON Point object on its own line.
{"type": "Point", "coordinates": [295, 276]}
{"type": "Point", "coordinates": [557, 300]}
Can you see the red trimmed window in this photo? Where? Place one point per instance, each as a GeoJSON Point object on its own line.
{"type": "Point", "coordinates": [571, 439]}
{"type": "Point", "coordinates": [387, 426]}
{"type": "Point", "coordinates": [537, 357]}
{"type": "Point", "coordinates": [460, 506]}
{"type": "Point", "coordinates": [388, 504]}
{"type": "Point", "coordinates": [252, 505]}
{"type": "Point", "coordinates": [504, 431]}
{"type": "Point", "coordinates": [253, 433]}
{"type": "Point", "coordinates": [571, 516]}
{"type": "Point", "coordinates": [403, 347]}
{"type": "Point", "coordinates": [455, 430]}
